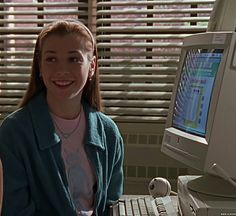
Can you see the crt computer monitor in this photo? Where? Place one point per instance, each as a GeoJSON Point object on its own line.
{"type": "Point", "coordinates": [201, 126]}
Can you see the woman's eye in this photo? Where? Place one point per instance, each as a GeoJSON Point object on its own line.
{"type": "Point", "coordinates": [75, 60]}
{"type": "Point", "coordinates": [50, 59]}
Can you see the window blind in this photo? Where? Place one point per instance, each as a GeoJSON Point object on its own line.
{"type": "Point", "coordinates": [139, 45]}
{"type": "Point", "coordinates": [20, 23]}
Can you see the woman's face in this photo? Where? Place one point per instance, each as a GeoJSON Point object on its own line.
{"type": "Point", "coordinates": [65, 67]}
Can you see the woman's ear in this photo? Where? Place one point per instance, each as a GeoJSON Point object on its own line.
{"type": "Point", "coordinates": [92, 67]}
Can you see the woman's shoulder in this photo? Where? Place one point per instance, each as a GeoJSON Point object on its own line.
{"type": "Point", "coordinates": [14, 121]}
{"type": "Point", "coordinates": [20, 114]}
{"type": "Point", "coordinates": [98, 119]}
{"type": "Point", "coordinates": [105, 119]}
{"type": "Point", "coordinates": [109, 125]}
{"type": "Point", "coordinates": [20, 117]}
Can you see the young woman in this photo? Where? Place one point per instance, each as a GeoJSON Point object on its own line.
{"type": "Point", "coordinates": [61, 155]}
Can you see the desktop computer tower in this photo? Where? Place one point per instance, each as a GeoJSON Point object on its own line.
{"type": "Point", "coordinates": [191, 203]}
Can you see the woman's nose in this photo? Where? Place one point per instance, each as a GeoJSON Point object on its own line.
{"type": "Point", "coordinates": [62, 69]}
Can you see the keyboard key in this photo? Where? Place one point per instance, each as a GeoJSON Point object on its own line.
{"type": "Point", "coordinates": [169, 206]}
{"type": "Point", "coordinates": [152, 210]}
{"type": "Point", "coordinates": [134, 204]}
{"type": "Point", "coordinates": [163, 214]}
{"type": "Point", "coordinates": [160, 206]}
{"type": "Point", "coordinates": [122, 209]}
{"type": "Point", "coordinates": [128, 207]}
{"type": "Point", "coordinates": [142, 207]}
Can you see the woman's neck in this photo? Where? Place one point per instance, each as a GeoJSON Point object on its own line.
{"type": "Point", "coordinates": [67, 109]}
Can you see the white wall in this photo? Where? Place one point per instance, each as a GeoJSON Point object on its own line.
{"type": "Point", "coordinates": [223, 16]}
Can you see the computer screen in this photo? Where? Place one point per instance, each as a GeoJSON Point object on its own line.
{"type": "Point", "coordinates": [195, 89]}
{"type": "Point", "coordinates": [201, 125]}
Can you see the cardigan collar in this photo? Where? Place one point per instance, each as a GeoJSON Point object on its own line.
{"type": "Point", "coordinates": [45, 130]}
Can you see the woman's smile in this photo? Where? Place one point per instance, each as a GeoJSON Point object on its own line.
{"type": "Point", "coordinates": [63, 83]}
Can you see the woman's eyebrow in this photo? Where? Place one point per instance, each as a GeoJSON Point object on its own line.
{"type": "Point", "coordinates": [70, 52]}
{"type": "Point", "coordinates": [74, 51]}
{"type": "Point", "coordinates": [49, 51]}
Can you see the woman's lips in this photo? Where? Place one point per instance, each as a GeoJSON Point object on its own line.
{"type": "Point", "coordinates": [62, 83]}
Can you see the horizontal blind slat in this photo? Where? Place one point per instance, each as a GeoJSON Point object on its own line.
{"type": "Point", "coordinates": [139, 119]}
{"type": "Point", "coordinates": [14, 85]}
{"type": "Point", "coordinates": [135, 72]}
{"type": "Point", "coordinates": [45, 4]}
{"type": "Point", "coordinates": [7, 109]}
{"type": "Point", "coordinates": [155, 11]}
{"type": "Point", "coordinates": [136, 94]}
{"type": "Point", "coordinates": [16, 53]}
{"type": "Point", "coordinates": [12, 93]}
{"type": "Point", "coordinates": [137, 111]}
{"type": "Point", "coordinates": [151, 3]}
{"type": "Point", "coordinates": [136, 103]}
{"type": "Point", "coordinates": [142, 77]}
{"type": "Point", "coordinates": [137, 86]}
{"type": "Point", "coordinates": [15, 69]}
{"type": "Point", "coordinates": [15, 61]}
{"type": "Point", "coordinates": [8, 101]}
{"type": "Point", "coordinates": [151, 29]}
{"type": "Point", "coordinates": [123, 53]}
{"type": "Point", "coordinates": [45, 12]}
{"type": "Point", "coordinates": [152, 20]}
{"type": "Point", "coordinates": [30, 21]}
{"type": "Point", "coordinates": [139, 45]}
{"type": "Point", "coordinates": [139, 61]}
{"type": "Point", "coordinates": [140, 36]}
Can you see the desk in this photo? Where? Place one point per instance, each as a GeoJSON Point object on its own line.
{"type": "Point", "coordinates": [125, 206]}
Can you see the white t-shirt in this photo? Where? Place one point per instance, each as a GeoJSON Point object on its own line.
{"type": "Point", "coordinates": [80, 173]}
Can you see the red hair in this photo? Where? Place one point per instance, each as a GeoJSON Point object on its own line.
{"type": "Point", "coordinates": [91, 90]}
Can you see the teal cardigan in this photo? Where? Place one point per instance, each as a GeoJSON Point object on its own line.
{"type": "Point", "coordinates": [35, 182]}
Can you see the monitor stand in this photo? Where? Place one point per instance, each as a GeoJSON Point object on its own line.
{"type": "Point", "coordinates": [212, 185]}
{"type": "Point", "coordinates": [194, 203]}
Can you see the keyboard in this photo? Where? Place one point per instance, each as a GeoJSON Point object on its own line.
{"type": "Point", "coordinates": [144, 206]}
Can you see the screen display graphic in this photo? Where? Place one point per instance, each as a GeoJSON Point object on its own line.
{"type": "Point", "coordinates": [195, 90]}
